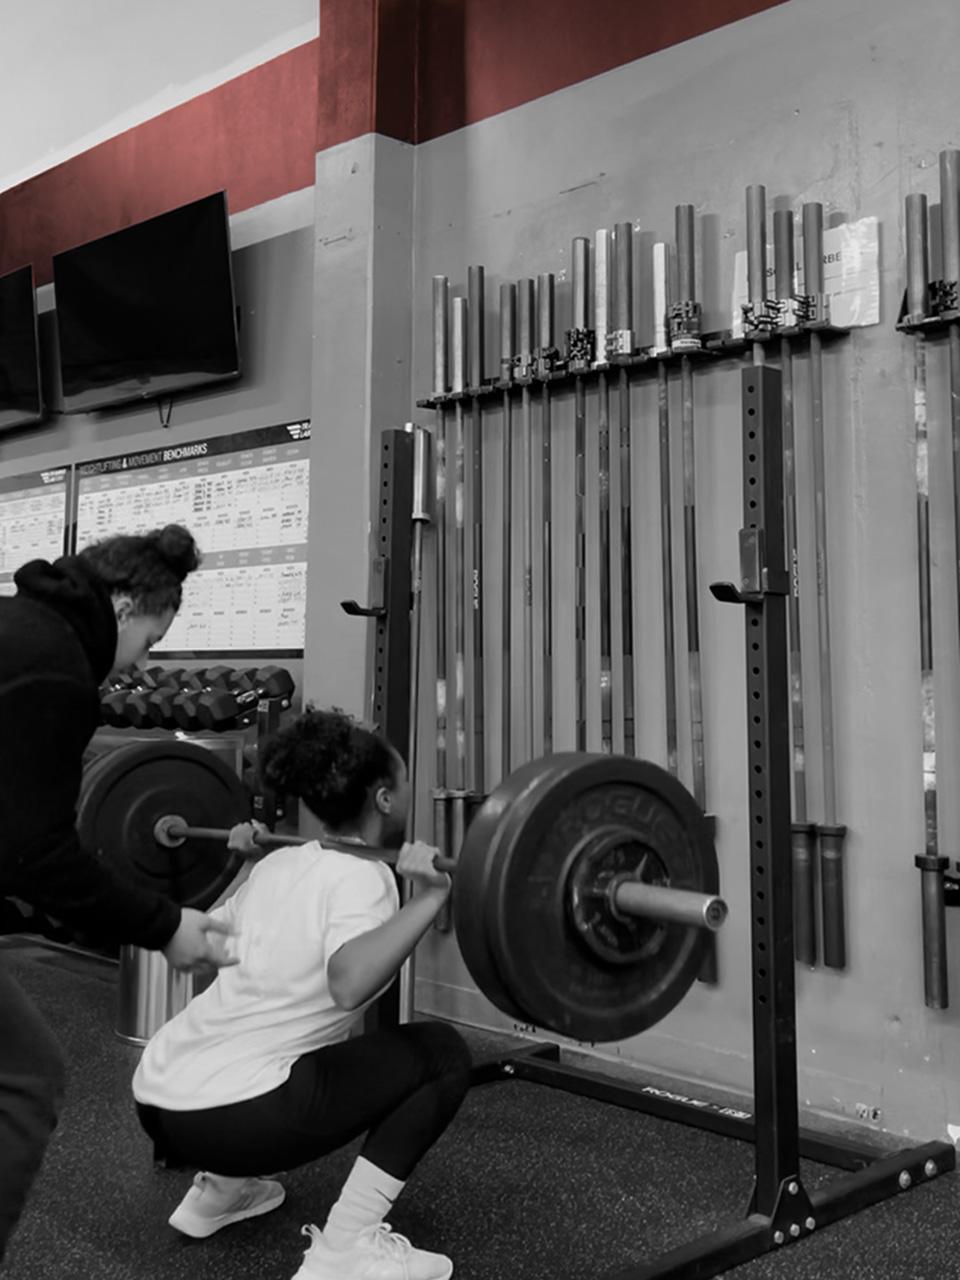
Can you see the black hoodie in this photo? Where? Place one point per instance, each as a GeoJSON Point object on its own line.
{"type": "Point", "coordinates": [58, 640]}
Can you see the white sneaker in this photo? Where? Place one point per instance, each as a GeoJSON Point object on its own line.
{"type": "Point", "coordinates": [379, 1254]}
{"type": "Point", "coordinates": [206, 1208]}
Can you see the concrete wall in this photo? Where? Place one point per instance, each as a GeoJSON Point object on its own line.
{"type": "Point", "coordinates": [838, 101]}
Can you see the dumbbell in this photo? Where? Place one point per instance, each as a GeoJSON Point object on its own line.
{"type": "Point", "coordinates": [140, 705]}
{"type": "Point", "coordinates": [183, 709]}
{"type": "Point", "coordinates": [152, 708]}
{"type": "Point", "coordinates": [221, 708]}
{"type": "Point", "coordinates": [219, 677]}
{"type": "Point", "coordinates": [245, 679]}
{"type": "Point", "coordinates": [148, 707]}
{"type": "Point", "coordinates": [193, 681]}
{"type": "Point", "coordinates": [113, 684]}
{"type": "Point", "coordinates": [132, 678]}
{"type": "Point", "coordinates": [149, 677]}
{"type": "Point", "coordinates": [144, 699]}
{"type": "Point", "coordinates": [113, 705]}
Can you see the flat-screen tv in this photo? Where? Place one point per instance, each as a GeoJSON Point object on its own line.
{"type": "Point", "coordinates": [149, 310]}
{"type": "Point", "coordinates": [21, 399]}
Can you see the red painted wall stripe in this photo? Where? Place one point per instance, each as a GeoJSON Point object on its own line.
{"type": "Point", "coordinates": [368, 70]}
{"type": "Point", "coordinates": [409, 69]}
{"type": "Point", "coordinates": [417, 69]}
{"type": "Point", "coordinates": [519, 50]}
{"type": "Point", "coordinates": [347, 71]}
{"type": "Point", "coordinates": [253, 136]}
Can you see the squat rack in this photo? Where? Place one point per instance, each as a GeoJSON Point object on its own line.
{"type": "Point", "coordinates": [781, 1210]}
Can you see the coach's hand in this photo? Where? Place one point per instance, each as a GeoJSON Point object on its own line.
{"type": "Point", "coordinates": [200, 944]}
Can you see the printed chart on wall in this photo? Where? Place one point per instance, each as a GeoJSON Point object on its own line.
{"type": "Point", "coordinates": [33, 521]}
{"type": "Point", "coordinates": [244, 499]}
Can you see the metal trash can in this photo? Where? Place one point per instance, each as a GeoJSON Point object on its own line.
{"type": "Point", "coordinates": [151, 993]}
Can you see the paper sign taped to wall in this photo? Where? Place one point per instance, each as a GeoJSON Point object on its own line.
{"type": "Point", "coordinates": [851, 276]}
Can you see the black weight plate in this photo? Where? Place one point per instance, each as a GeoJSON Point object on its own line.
{"type": "Point", "coordinates": [541, 959]}
{"type": "Point", "coordinates": [125, 791]}
{"type": "Point", "coordinates": [471, 884]}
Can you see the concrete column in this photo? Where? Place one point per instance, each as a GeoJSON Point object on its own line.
{"type": "Point", "coordinates": [361, 386]}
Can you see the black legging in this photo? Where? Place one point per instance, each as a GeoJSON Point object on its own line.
{"type": "Point", "coordinates": [401, 1086]}
{"type": "Point", "coordinates": [31, 1090]}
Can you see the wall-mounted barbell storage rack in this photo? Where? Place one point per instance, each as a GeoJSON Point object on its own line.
{"type": "Point", "coordinates": [600, 352]}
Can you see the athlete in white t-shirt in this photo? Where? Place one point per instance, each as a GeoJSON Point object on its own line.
{"type": "Point", "coordinates": [262, 1070]}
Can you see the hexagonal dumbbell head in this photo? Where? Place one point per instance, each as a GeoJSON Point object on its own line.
{"type": "Point", "coordinates": [173, 677]}
{"type": "Point", "coordinates": [274, 682]}
{"type": "Point", "coordinates": [216, 677]}
{"type": "Point", "coordinates": [160, 707]}
{"type": "Point", "coordinates": [221, 708]}
{"type": "Point", "coordinates": [152, 677]}
{"type": "Point", "coordinates": [184, 709]}
{"type": "Point", "coordinates": [113, 708]}
{"type": "Point", "coordinates": [244, 679]}
{"type": "Point", "coordinates": [136, 708]}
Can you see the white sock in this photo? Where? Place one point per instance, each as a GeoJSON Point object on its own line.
{"type": "Point", "coordinates": [226, 1187]}
{"type": "Point", "coordinates": [365, 1200]}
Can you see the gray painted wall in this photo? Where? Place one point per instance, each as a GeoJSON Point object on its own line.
{"type": "Point", "coordinates": [847, 103]}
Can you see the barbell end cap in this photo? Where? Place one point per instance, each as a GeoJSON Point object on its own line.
{"type": "Point", "coordinates": [714, 914]}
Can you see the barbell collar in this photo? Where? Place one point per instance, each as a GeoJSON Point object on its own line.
{"type": "Point", "coordinates": [629, 897]}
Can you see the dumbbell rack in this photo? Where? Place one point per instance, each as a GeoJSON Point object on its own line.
{"type": "Point", "coordinates": [216, 699]}
{"type": "Point", "coordinates": [781, 1210]}
{"type": "Point", "coordinates": [227, 739]}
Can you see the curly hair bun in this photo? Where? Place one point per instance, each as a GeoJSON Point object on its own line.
{"type": "Point", "coordinates": [176, 546]}
{"type": "Point", "coordinates": [311, 752]}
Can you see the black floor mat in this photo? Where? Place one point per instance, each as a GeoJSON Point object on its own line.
{"type": "Point", "coordinates": [528, 1183]}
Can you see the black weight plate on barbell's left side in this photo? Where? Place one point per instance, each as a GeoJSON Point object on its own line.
{"type": "Point", "coordinates": [542, 960]}
{"type": "Point", "coordinates": [127, 790]}
{"type": "Point", "coordinates": [471, 883]}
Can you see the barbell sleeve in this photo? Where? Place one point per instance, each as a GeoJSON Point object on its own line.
{"type": "Point", "coordinates": [629, 897]}
{"type": "Point", "coordinates": [672, 906]}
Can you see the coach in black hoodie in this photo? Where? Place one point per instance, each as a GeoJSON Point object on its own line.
{"type": "Point", "coordinates": [70, 624]}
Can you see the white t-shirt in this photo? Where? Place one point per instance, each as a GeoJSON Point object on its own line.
{"type": "Point", "coordinates": [240, 1037]}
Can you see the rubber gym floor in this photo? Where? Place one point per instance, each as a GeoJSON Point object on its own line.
{"type": "Point", "coordinates": [529, 1183]}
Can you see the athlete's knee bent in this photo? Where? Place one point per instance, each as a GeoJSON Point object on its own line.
{"type": "Point", "coordinates": [446, 1052]}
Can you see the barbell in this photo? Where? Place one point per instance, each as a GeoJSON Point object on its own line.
{"type": "Point", "coordinates": [583, 898]}
{"type": "Point", "coordinates": [624, 894]}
